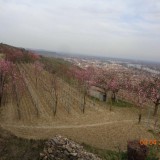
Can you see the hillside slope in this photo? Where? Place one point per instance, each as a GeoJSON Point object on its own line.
{"type": "Point", "coordinates": [15, 148]}
{"type": "Point", "coordinates": [97, 126]}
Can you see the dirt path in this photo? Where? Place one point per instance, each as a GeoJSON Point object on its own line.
{"type": "Point", "coordinates": [65, 126]}
{"type": "Point", "coordinates": [102, 135]}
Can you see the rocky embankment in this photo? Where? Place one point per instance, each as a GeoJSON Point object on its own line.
{"type": "Point", "coordinates": [61, 148]}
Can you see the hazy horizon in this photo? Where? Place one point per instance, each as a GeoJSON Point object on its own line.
{"type": "Point", "coordinates": [87, 55]}
{"type": "Point", "coordinates": [121, 29]}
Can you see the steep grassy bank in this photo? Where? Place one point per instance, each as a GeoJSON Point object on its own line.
{"type": "Point", "coordinates": [12, 147]}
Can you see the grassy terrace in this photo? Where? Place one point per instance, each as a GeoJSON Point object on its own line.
{"type": "Point", "coordinates": [15, 148]}
{"type": "Point", "coordinates": [12, 147]}
{"type": "Point", "coordinates": [119, 155]}
{"type": "Point", "coordinates": [97, 127]}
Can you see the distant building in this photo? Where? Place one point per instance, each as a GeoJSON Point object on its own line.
{"type": "Point", "coordinates": [97, 93]}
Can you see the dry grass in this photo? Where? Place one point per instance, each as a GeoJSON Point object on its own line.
{"type": "Point", "coordinates": [97, 127]}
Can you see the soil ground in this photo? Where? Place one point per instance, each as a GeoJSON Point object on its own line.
{"type": "Point", "coordinates": [100, 128]}
{"type": "Point", "coordinates": [13, 148]}
{"type": "Point", "coordinates": [97, 127]}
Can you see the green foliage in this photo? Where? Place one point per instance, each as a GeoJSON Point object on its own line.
{"type": "Point", "coordinates": [106, 154]}
{"type": "Point", "coordinates": [153, 132]}
{"type": "Point", "coordinates": [54, 64]}
{"type": "Point", "coordinates": [17, 55]}
{"type": "Point", "coordinates": [18, 149]}
{"type": "Point", "coordinates": [115, 155]}
{"type": "Point", "coordinates": [14, 148]}
{"type": "Point", "coordinates": [153, 153]}
{"type": "Point", "coordinates": [58, 66]}
{"type": "Point", "coordinates": [120, 103]}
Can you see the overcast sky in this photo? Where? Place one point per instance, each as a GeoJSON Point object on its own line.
{"type": "Point", "coordinates": [113, 28]}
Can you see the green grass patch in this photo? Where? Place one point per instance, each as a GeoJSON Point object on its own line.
{"type": "Point", "coordinates": [120, 155]}
{"type": "Point", "coordinates": [117, 103]}
{"type": "Point", "coordinates": [55, 64]}
{"type": "Point", "coordinates": [106, 154]}
{"type": "Point", "coordinates": [120, 103]}
{"type": "Point", "coordinates": [154, 153]}
{"type": "Point", "coordinates": [156, 133]}
{"type": "Point", "coordinates": [14, 148]}
{"type": "Point", "coordinates": [59, 66]}
{"type": "Point", "coordinates": [152, 132]}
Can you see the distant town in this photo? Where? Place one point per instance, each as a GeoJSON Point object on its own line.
{"type": "Point", "coordinates": [112, 64]}
{"type": "Point", "coordinates": [105, 62]}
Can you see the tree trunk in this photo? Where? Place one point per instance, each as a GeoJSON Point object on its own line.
{"type": "Point", "coordinates": [56, 103]}
{"type": "Point", "coordinates": [18, 111]}
{"type": "Point", "coordinates": [55, 108]}
{"type": "Point", "coordinates": [17, 97]}
{"type": "Point", "coordinates": [140, 115]}
{"type": "Point", "coordinates": [149, 113]}
{"type": "Point", "coordinates": [110, 107]}
{"type": "Point", "coordinates": [36, 83]}
{"type": "Point", "coordinates": [113, 97]}
{"type": "Point", "coordinates": [155, 123]}
{"type": "Point", "coordinates": [0, 101]}
{"type": "Point", "coordinates": [155, 109]}
{"type": "Point", "coordinates": [105, 96]}
{"type": "Point", "coordinates": [84, 103]}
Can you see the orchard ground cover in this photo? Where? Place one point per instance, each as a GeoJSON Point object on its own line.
{"type": "Point", "coordinates": [98, 126]}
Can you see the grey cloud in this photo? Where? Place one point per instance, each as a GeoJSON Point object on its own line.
{"type": "Point", "coordinates": [127, 28]}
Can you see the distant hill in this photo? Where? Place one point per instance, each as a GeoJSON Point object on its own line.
{"type": "Point", "coordinates": [16, 54]}
{"type": "Point", "coordinates": [8, 49]}
{"type": "Point", "coordinates": [54, 54]}
{"type": "Point", "coordinates": [45, 53]}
